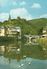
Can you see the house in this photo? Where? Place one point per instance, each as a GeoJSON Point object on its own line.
{"type": "Point", "coordinates": [10, 31]}
{"type": "Point", "coordinates": [13, 31]}
{"type": "Point", "coordinates": [44, 32]}
{"type": "Point", "coordinates": [2, 31]}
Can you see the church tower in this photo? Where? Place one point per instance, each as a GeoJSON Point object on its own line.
{"type": "Point", "coordinates": [9, 17]}
{"type": "Point", "coordinates": [9, 20]}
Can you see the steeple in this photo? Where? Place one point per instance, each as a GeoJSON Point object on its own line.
{"type": "Point", "coordinates": [9, 17]}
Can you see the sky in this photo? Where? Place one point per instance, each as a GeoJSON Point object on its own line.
{"type": "Point", "coordinates": [28, 9]}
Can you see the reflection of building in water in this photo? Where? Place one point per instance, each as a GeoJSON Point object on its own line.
{"type": "Point", "coordinates": [12, 51]}
{"type": "Point", "coordinates": [18, 51]}
{"type": "Point", "coordinates": [15, 48]}
{"type": "Point", "coordinates": [2, 49]}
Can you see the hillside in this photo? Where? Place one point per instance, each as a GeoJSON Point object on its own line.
{"type": "Point", "coordinates": [34, 26]}
{"type": "Point", "coordinates": [38, 24]}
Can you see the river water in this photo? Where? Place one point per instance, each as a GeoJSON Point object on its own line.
{"type": "Point", "coordinates": [18, 55]}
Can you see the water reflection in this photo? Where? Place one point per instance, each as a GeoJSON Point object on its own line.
{"type": "Point", "coordinates": [17, 55]}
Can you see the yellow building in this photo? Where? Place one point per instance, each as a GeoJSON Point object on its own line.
{"type": "Point", "coordinates": [13, 31]}
{"type": "Point", "coordinates": [45, 32]}
{"type": "Point", "coordinates": [2, 31]}
{"type": "Point", "coordinates": [10, 31]}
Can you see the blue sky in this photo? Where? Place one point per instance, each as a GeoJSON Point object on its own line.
{"type": "Point", "coordinates": [28, 9]}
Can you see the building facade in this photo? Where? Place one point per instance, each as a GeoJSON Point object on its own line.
{"type": "Point", "coordinates": [10, 31]}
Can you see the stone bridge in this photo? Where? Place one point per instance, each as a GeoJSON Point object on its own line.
{"type": "Point", "coordinates": [31, 38]}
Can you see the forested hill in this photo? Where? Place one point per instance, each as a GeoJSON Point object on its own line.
{"type": "Point", "coordinates": [34, 26]}
{"type": "Point", "coordinates": [38, 24]}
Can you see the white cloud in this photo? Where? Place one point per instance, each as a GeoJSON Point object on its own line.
{"type": "Point", "coordinates": [4, 16]}
{"type": "Point", "coordinates": [22, 3]}
{"type": "Point", "coordinates": [21, 12]}
{"type": "Point", "coordinates": [43, 16]}
{"type": "Point", "coordinates": [36, 5]}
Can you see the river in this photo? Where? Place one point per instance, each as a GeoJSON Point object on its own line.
{"type": "Point", "coordinates": [18, 55]}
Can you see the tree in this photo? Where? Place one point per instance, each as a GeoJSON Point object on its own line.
{"type": "Point", "coordinates": [40, 32]}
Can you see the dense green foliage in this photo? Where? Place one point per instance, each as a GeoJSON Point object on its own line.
{"type": "Point", "coordinates": [34, 26]}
